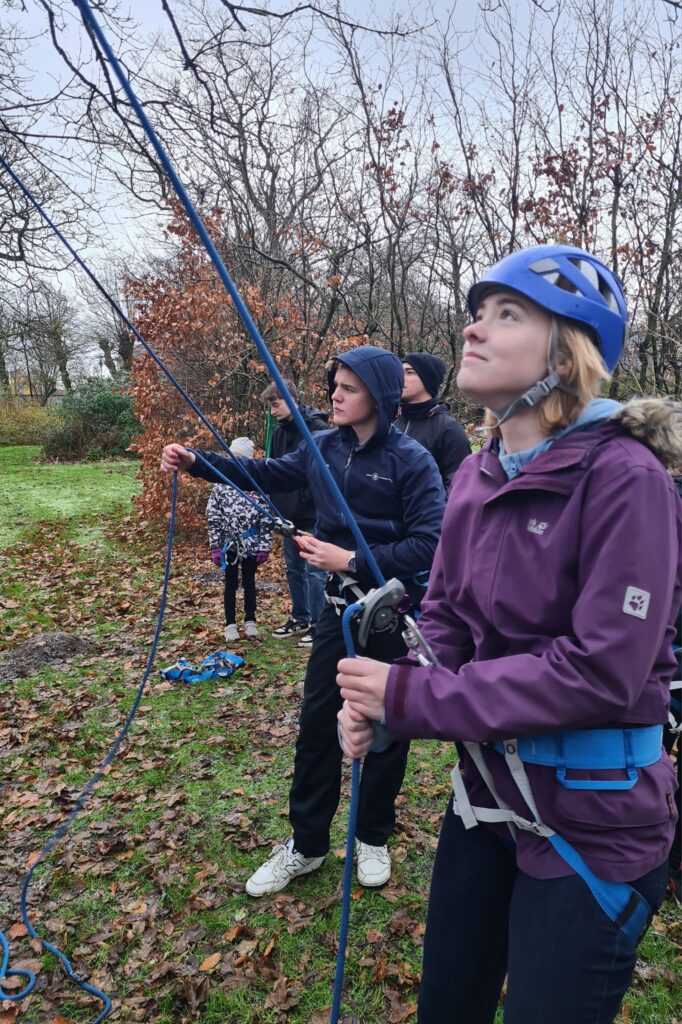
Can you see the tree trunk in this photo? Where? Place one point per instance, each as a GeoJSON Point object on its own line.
{"type": "Point", "coordinates": [105, 347]}
{"type": "Point", "coordinates": [4, 375]}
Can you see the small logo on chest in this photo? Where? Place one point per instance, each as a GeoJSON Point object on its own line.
{"type": "Point", "coordinates": [536, 526]}
{"type": "Point", "coordinates": [375, 477]}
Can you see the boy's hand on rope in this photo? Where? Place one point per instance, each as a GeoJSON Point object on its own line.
{"type": "Point", "coordinates": [355, 731]}
{"type": "Point", "coordinates": [175, 457]}
{"type": "Point", "coordinates": [216, 556]}
{"type": "Point", "coordinates": [363, 684]}
{"type": "Point", "coordinates": [322, 555]}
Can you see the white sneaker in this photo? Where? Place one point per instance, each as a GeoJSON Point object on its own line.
{"type": "Point", "coordinates": [232, 632]}
{"type": "Point", "coordinates": [284, 864]}
{"type": "Point", "coordinates": [250, 628]}
{"type": "Point", "coordinates": [374, 864]}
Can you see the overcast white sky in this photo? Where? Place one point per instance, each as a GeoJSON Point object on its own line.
{"type": "Point", "coordinates": [120, 218]}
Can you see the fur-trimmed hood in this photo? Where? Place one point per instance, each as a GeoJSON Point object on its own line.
{"type": "Point", "coordinates": [657, 423]}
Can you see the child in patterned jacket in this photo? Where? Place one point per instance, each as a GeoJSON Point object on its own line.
{"type": "Point", "coordinates": [238, 536]}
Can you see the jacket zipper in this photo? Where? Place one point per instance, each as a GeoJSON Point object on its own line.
{"type": "Point", "coordinates": [346, 472]}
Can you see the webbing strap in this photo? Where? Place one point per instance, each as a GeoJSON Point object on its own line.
{"type": "Point", "coordinates": [673, 725]}
{"type": "Point", "coordinates": [236, 543]}
{"type": "Point", "coordinates": [624, 905]}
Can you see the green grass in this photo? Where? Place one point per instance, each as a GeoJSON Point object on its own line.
{"type": "Point", "coordinates": [150, 881]}
{"type": "Point", "coordinates": [32, 492]}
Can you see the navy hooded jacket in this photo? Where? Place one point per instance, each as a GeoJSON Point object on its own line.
{"type": "Point", "coordinates": [390, 482]}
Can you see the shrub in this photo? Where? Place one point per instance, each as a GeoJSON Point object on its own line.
{"type": "Point", "coordinates": [23, 422]}
{"type": "Point", "coordinates": [94, 422]}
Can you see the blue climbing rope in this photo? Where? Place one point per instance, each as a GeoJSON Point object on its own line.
{"type": "Point", "coordinates": [346, 620]}
{"type": "Point", "coordinates": [79, 804]}
{"type": "Point", "coordinates": [276, 519]}
{"type": "Point", "coordinates": [239, 304]}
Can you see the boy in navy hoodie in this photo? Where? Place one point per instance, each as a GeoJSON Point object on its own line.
{"type": "Point", "coordinates": [395, 492]}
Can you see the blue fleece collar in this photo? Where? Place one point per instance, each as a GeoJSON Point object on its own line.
{"type": "Point", "coordinates": [596, 411]}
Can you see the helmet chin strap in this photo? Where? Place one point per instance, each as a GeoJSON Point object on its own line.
{"type": "Point", "coordinates": [534, 395]}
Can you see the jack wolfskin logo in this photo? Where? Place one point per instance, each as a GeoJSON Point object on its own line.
{"type": "Point", "coordinates": [535, 527]}
{"type": "Point", "coordinates": [636, 602]}
{"type": "Point", "coordinates": [375, 477]}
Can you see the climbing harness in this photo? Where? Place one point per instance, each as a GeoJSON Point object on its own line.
{"type": "Point", "coordinates": [577, 750]}
{"type": "Point", "coordinates": [593, 750]}
{"type": "Point", "coordinates": [234, 548]}
{"type": "Point", "coordinates": [220, 665]}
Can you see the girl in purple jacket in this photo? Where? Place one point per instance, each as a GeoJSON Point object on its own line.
{"type": "Point", "coordinates": [550, 610]}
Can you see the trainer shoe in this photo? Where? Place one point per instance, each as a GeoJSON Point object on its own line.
{"type": "Point", "coordinates": [374, 864]}
{"type": "Point", "coordinates": [250, 628]}
{"type": "Point", "coordinates": [284, 864]}
{"type": "Point", "coordinates": [232, 632]}
{"type": "Point", "coordinates": [307, 638]}
{"type": "Point", "coordinates": [290, 628]}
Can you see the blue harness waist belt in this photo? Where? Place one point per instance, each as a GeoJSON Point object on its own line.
{"type": "Point", "coordinates": [593, 750]}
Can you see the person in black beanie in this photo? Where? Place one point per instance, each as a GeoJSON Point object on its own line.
{"type": "Point", "coordinates": [426, 419]}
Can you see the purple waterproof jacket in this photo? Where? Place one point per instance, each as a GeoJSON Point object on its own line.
{"type": "Point", "coordinates": [551, 606]}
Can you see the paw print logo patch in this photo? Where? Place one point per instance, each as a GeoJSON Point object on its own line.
{"type": "Point", "coordinates": [636, 602]}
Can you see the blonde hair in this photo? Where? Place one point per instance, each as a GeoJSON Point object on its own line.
{"type": "Point", "coordinates": [581, 369]}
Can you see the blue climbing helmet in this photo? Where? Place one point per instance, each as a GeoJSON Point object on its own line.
{"type": "Point", "coordinates": [567, 282]}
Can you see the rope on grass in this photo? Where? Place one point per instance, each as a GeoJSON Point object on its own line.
{"type": "Point", "coordinates": [79, 805]}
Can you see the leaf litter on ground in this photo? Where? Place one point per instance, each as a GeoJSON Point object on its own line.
{"type": "Point", "coordinates": [146, 893]}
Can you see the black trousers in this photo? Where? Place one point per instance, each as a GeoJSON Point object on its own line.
{"type": "Point", "coordinates": [567, 962]}
{"type": "Point", "coordinates": [316, 787]}
{"type": "Point", "coordinates": [249, 568]}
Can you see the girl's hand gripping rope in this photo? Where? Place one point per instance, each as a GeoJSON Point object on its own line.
{"type": "Point", "coordinates": [362, 682]}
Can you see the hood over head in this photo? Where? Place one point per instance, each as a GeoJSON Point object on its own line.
{"type": "Point", "coordinates": [382, 374]}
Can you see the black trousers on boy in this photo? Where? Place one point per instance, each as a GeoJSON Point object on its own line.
{"type": "Point", "coordinates": [316, 787]}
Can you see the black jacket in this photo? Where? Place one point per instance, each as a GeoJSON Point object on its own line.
{"type": "Point", "coordinates": [432, 424]}
{"type": "Point", "coordinates": [296, 506]}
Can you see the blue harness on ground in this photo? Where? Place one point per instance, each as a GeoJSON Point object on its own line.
{"type": "Point", "coordinates": [220, 665]}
